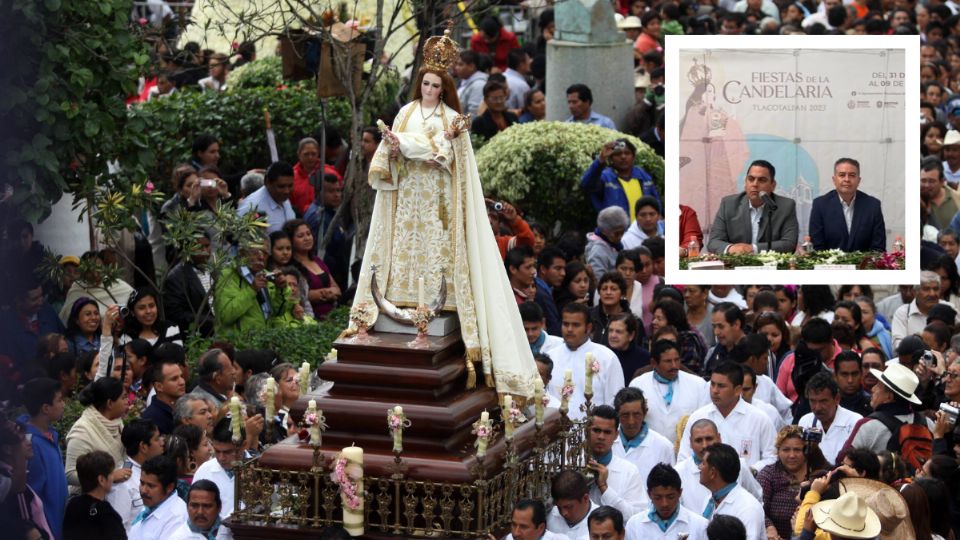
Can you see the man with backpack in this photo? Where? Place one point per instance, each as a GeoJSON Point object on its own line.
{"type": "Point", "coordinates": [896, 424]}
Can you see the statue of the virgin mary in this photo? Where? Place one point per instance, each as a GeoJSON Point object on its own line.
{"type": "Point", "coordinates": [430, 221]}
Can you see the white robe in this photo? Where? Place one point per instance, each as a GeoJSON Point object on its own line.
{"type": "Point", "coordinates": [431, 222]}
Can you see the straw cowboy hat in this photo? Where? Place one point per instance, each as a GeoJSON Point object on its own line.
{"type": "Point", "coordinates": [900, 380]}
{"type": "Point", "coordinates": [847, 516]}
{"type": "Point", "coordinates": [631, 22]}
{"type": "Point", "coordinates": [953, 137]}
{"type": "Point", "coordinates": [889, 505]}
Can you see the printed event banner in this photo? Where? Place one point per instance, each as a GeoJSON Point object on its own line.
{"type": "Point", "coordinates": [801, 110]}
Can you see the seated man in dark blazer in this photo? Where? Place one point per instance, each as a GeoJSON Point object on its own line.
{"type": "Point", "coordinates": [846, 218]}
{"type": "Point", "coordinates": [757, 219]}
{"type": "Point", "coordinates": [496, 118]}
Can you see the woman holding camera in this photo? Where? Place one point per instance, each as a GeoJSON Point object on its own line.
{"type": "Point", "coordinates": [324, 291]}
{"type": "Point", "coordinates": [798, 456]}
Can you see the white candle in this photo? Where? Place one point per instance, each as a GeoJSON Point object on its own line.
{"type": "Point", "coordinates": [507, 421]}
{"type": "Point", "coordinates": [588, 388]}
{"type": "Point", "coordinates": [315, 428]}
{"type": "Point", "coordinates": [421, 299]}
{"type": "Point", "coordinates": [270, 400]}
{"type": "Point", "coordinates": [236, 420]}
{"type": "Point", "coordinates": [484, 416]}
{"type": "Point", "coordinates": [304, 378]}
{"type": "Point", "coordinates": [538, 400]}
{"type": "Point", "coordinates": [353, 517]}
{"type": "Point", "coordinates": [398, 433]}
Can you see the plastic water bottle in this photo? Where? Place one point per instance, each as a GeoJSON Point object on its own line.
{"type": "Point", "coordinates": [898, 244]}
{"type": "Point", "coordinates": [693, 248]}
{"type": "Point", "coordinates": [807, 246]}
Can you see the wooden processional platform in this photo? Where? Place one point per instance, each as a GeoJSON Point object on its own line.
{"type": "Point", "coordinates": [371, 376]}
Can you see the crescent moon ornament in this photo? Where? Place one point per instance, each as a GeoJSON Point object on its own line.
{"type": "Point", "coordinates": [399, 315]}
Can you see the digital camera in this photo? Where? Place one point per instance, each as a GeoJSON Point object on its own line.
{"type": "Point", "coordinates": [812, 434]}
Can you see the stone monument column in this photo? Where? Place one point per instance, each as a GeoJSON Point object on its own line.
{"type": "Point", "coordinates": [589, 49]}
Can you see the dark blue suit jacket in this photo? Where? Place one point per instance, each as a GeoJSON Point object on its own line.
{"type": "Point", "coordinates": [828, 229]}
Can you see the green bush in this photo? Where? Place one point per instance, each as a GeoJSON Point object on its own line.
{"type": "Point", "coordinates": [296, 344]}
{"type": "Point", "coordinates": [236, 118]}
{"type": "Point", "coordinates": [538, 165]}
{"type": "Point", "coordinates": [262, 72]}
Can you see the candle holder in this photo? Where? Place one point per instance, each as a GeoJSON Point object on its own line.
{"type": "Point", "coordinates": [421, 318]}
{"type": "Point", "coordinates": [360, 317]}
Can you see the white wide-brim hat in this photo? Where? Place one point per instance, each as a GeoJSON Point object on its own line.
{"type": "Point", "coordinates": [847, 516]}
{"type": "Point", "coordinates": [900, 380]}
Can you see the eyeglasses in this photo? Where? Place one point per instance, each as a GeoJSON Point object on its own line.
{"type": "Point", "coordinates": [951, 375]}
{"type": "Point", "coordinates": [496, 99]}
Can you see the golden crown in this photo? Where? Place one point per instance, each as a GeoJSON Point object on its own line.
{"type": "Point", "coordinates": [699, 73]}
{"type": "Point", "coordinates": [441, 52]}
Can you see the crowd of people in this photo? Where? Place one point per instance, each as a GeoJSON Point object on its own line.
{"type": "Point", "coordinates": [755, 412]}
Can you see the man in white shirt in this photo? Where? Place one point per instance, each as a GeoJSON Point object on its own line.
{"type": "Point", "coordinates": [748, 393]}
{"type": "Point", "coordinates": [220, 470]}
{"type": "Point", "coordinates": [719, 471]}
{"type": "Point", "coordinates": [472, 81]}
{"type": "Point", "coordinates": [635, 441]}
{"type": "Point", "coordinates": [572, 505]}
{"type": "Point", "coordinates": [572, 356]}
{"type": "Point", "coordinates": [666, 519]}
{"type": "Point", "coordinates": [910, 319]}
{"type": "Point", "coordinates": [163, 510]}
{"type": "Point", "coordinates": [528, 521]}
{"type": "Point", "coordinates": [518, 65]}
{"type": "Point", "coordinates": [203, 512]}
{"type": "Point", "coordinates": [273, 199]}
{"type": "Point", "coordinates": [742, 425]}
{"type": "Point", "coordinates": [887, 306]}
{"type": "Point", "coordinates": [703, 433]}
{"type": "Point", "coordinates": [142, 440]}
{"type": "Point", "coordinates": [670, 393]}
{"type": "Point", "coordinates": [827, 415]}
{"type": "Point", "coordinates": [753, 351]}
{"type": "Point", "coordinates": [606, 523]}
{"type": "Point", "coordinates": [617, 480]}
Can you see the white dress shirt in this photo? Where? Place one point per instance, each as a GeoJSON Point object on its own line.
{"type": "Point", "coordinates": [125, 497]}
{"type": "Point", "coordinates": [747, 429]}
{"type": "Point", "coordinates": [689, 394]}
{"type": "Point", "coordinates": [654, 449]}
{"type": "Point", "coordinates": [847, 210]}
{"type": "Point", "coordinates": [695, 496]}
{"type": "Point", "coordinates": [843, 422]}
{"type": "Point", "coordinates": [907, 321]}
{"type": "Point", "coordinates": [578, 531]}
{"type": "Point", "coordinates": [771, 413]}
{"type": "Point", "coordinates": [624, 491]}
{"type": "Point", "coordinates": [261, 201]}
{"type": "Point", "coordinates": [606, 383]}
{"type": "Point", "coordinates": [171, 513]}
{"type": "Point", "coordinates": [768, 392]}
{"type": "Point", "coordinates": [641, 527]}
{"type": "Point", "coordinates": [211, 470]}
{"type": "Point", "coordinates": [184, 533]}
{"type": "Point", "coordinates": [741, 505]}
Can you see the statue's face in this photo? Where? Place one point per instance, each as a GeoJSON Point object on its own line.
{"type": "Point", "coordinates": [430, 87]}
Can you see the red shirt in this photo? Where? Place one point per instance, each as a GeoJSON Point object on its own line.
{"type": "Point", "coordinates": [689, 226]}
{"type": "Point", "coordinates": [505, 43]}
{"type": "Point", "coordinates": [303, 191]}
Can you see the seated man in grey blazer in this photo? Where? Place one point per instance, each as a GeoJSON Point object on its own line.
{"type": "Point", "coordinates": [751, 221]}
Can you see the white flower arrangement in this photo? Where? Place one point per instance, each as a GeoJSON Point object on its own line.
{"type": "Point", "coordinates": [538, 166]}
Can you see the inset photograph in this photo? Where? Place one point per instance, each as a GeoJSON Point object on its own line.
{"type": "Point", "coordinates": [793, 160]}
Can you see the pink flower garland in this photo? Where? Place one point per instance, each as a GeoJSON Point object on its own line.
{"type": "Point", "coordinates": [344, 479]}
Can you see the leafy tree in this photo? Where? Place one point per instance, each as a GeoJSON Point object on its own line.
{"type": "Point", "coordinates": [68, 67]}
